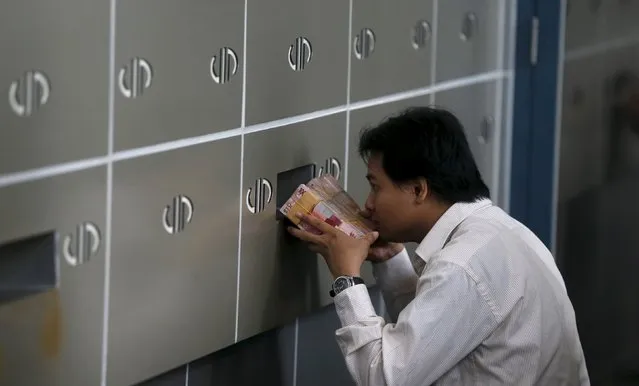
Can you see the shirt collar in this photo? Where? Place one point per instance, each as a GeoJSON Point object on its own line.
{"type": "Point", "coordinates": [439, 235]}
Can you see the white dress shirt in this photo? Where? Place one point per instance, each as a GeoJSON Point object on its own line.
{"type": "Point", "coordinates": [482, 304]}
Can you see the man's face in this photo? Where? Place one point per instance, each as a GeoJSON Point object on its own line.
{"type": "Point", "coordinates": [391, 207]}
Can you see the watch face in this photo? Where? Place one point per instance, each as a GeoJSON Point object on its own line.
{"type": "Point", "coordinates": [341, 283]}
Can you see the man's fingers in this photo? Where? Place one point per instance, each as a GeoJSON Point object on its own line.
{"type": "Point", "coordinates": [317, 223]}
{"type": "Point", "coordinates": [372, 237]}
{"type": "Point", "coordinates": [304, 235]}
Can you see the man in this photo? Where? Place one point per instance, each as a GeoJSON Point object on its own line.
{"type": "Point", "coordinates": [482, 303]}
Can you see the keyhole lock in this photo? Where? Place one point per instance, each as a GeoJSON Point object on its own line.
{"type": "Point", "coordinates": [485, 129]}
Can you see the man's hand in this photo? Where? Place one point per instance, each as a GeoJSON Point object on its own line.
{"type": "Point", "coordinates": [343, 254]}
{"type": "Point", "coordinates": [381, 250]}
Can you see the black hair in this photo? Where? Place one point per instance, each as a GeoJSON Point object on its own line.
{"type": "Point", "coordinates": [429, 143]}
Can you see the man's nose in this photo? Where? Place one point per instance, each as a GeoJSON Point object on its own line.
{"type": "Point", "coordinates": [368, 205]}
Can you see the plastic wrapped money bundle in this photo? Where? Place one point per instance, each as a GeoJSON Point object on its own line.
{"type": "Point", "coordinates": [325, 199]}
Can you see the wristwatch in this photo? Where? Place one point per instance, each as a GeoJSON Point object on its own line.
{"type": "Point", "coordinates": [343, 282]}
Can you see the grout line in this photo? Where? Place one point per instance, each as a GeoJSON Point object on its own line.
{"type": "Point", "coordinates": [239, 241]}
{"type": "Point", "coordinates": [507, 144]}
{"type": "Point", "coordinates": [244, 49]}
{"type": "Point", "coordinates": [174, 145]}
{"type": "Point", "coordinates": [69, 167]}
{"type": "Point", "coordinates": [433, 52]}
{"type": "Point", "coordinates": [348, 94]}
{"type": "Point", "coordinates": [109, 196]}
{"type": "Point", "coordinates": [499, 107]}
{"type": "Point", "coordinates": [501, 32]}
{"type": "Point", "coordinates": [186, 376]}
{"type": "Point", "coordinates": [58, 282]}
{"type": "Point", "coordinates": [601, 48]}
{"type": "Point", "coordinates": [296, 338]}
{"type": "Point", "coordinates": [296, 119]}
{"type": "Point", "coordinates": [346, 149]}
{"type": "Point", "coordinates": [508, 132]}
{"type": "Point", "coordinates": [239, 233]}
{"type": "Point", "coordinates": [558, 117]}
{"type": "Point", "coordinates": [496, 147]}
{"type": "Point", "coordinates": [52, 170]}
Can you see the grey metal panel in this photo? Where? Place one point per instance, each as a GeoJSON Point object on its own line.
{"type": "Point", "coordinates": [596, 229]}
{"type": "Point", "coordinates": [474, 106]}
{"type": "Point", "coordinates": [279, 278]}
{"type": "Point", "coordinates": [391, 50]}
{"type": "Point", "coordinates": [174, 377]}
{"type": "Point", "coordinates": [173, 273]}
{"type": "Point", "coordinates": [55, 338]}
{"type": "Point", "coordinates": [467, 38]}
{"type": "Point", "coordinates": [584, 23]}
{"type": "Point", "coordinates": [314, 331]}
{"type": "Point", "coordinates": [620, 18]}
{"type": "Point", "coordinates": [315, 78]}
{"type": "Point", "coordinates": [590, 23]}
{"type": "Point", "coordinates": [266, 359]}
{"type": "Point", "coordinates": [584, 128]}
{"type": "Point", "coordinates": [313, 343]}
{"type": "Point", "coordinates": [62, 72]}
{"type": "Point", "coordinates": [178, 41]}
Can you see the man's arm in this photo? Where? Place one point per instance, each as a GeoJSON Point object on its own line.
{"type": "Point", "coordinates": [397, 279]}
{"type": "Point", "coordinates": [449, 317]}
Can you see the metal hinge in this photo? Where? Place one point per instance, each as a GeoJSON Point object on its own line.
{"type": "Point", "coordinates": [534, 41]}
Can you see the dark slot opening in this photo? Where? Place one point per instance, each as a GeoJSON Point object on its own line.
{"type": "Point", "coordinates": [27, 266]}
{"type": "Point", "coordinates": [297, 264]}
{"type": "Point", "coordinates": [287, 182]}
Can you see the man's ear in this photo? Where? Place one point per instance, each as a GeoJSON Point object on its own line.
{"type": "Point", "coordinates": [420, 189]}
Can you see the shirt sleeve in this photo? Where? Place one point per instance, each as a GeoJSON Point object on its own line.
{"type": "Point", "coordinates": [448, 318]}
{"type": "Point", "coordinates": [397, 280]}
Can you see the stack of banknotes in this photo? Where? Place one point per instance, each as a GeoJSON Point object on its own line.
{"type": "Point", "coordinates": [324, 198]}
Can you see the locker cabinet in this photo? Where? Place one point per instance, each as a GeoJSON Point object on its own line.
{"type": "Point", "coordinates": [391, 47]}
{"type": "Point", "coordinates": [174, 258]}
{"type": "Point", "coordinates": [197, 258]}
{"type": "Point", "coordinates": [297, 57]}
{"type": "Point", "coordinates": [279, 277]}
{"type": "Point", "coordinates": [54, 105]}
{"type": "Point", "coordinates": [178, 70]}
{"type": "Point", "coordinates": [467, 38]}
{"type": "Point", "coordinates": [54, 337]}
